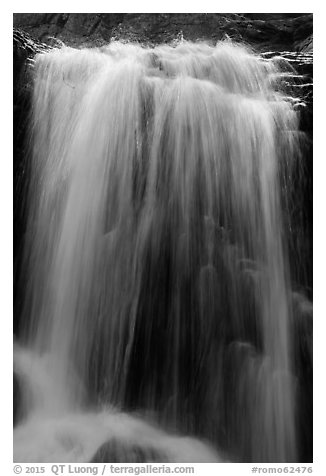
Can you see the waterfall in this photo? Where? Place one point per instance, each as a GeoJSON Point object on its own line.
{"type": "Point", "coordinates": [156, 247]}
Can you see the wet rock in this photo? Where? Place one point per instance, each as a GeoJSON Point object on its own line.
{"type": "Point", "coordinates": [262, 30]}
{"type": "Point", "coordinates": [17, 399]}
{"type": "Point", "coordinates": [115, 451]}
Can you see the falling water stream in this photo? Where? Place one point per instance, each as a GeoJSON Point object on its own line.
{"type": "Point", "coordinates": [158, 299]}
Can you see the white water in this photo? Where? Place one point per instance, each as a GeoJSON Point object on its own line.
{"type": "Point", "coordinates": [156, 248]}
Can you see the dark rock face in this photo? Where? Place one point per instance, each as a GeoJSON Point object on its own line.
{"type": "Point", "coordinates": [115, 451]}
{"type": "Point", "coordinates": [16, 395]}
{"type": "Point", "coordinates": [264, 30]}
{"type": "Point", "coordinates": [24, 49]}
{"type": "Point", "coordinates": [17, 399]}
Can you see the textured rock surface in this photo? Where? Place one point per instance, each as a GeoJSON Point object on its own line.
{"type": "Point", "coordinates": [24, 49]}
{"type": "Point", "coordinates": [264, 30]}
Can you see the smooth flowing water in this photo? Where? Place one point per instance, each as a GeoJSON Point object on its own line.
{"type": "Point", "coordinates": [158, 276]}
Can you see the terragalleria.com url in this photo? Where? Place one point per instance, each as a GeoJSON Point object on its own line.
{"type": "Point", "coordinates": [61, 469]}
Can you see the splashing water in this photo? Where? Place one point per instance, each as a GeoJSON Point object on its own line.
{"type": "Point", "coordinates": [158, 271]}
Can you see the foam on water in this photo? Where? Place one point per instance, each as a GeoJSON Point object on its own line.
{"type": "Point", "coordinates": [64, 436]}
{"type": "Point", "coordinates": [77, 437]}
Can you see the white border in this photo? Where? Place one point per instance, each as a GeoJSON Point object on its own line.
{"type": "Point", "coordinates": [6, 200]}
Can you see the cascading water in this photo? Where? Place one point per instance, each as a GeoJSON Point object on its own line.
{"type": "Point", "coordinates": [156, 252]}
